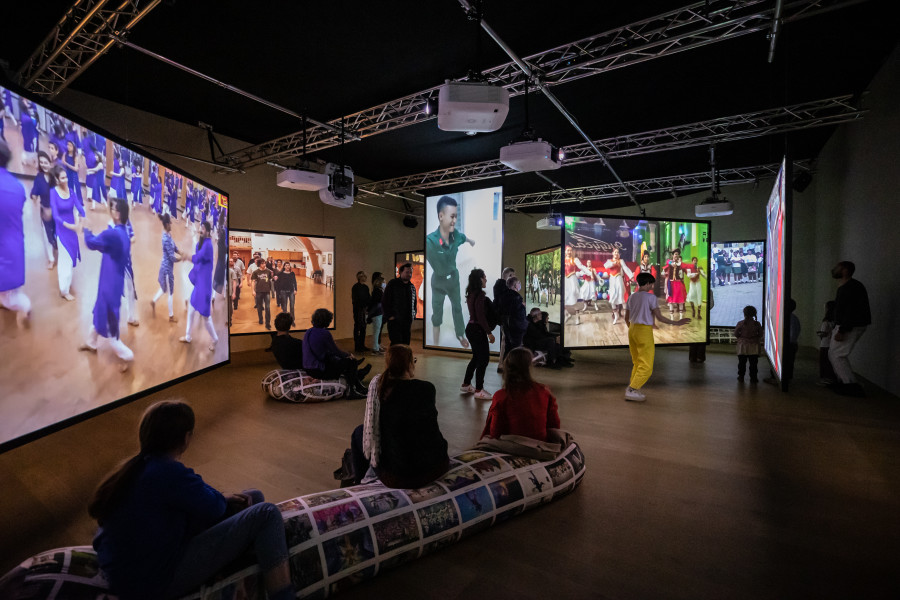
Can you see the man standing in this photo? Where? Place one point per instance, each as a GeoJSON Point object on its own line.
{"type": "Point", "coordinates": [399, 305]}
{"type": "Point", "coordinates": [512, 309]}
{"type": "Point", "coordinates": [359, 296]}
{"type": "Point", "coordinates": [441, 247]}
{"type": "Point", "coordinates": [262, 288]}
{"type": "Point", "coordinates": [12, 242]}
{"type": "Point", "coordinates": [501, 290]}
{"type": "Point", "coordinates": [851, 317]}
{"type": "Point", "coordinates": [239, 269]}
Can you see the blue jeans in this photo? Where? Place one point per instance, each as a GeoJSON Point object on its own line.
{"type": "Point", "coordinates": [285, 300]}
{"type": "Point", "coordinates": [259, 526]}
{"type": "Point", "coordinates": [376, 332]}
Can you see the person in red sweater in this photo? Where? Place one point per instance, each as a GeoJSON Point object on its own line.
{"type": "Point", "coordinates": [523, 407]}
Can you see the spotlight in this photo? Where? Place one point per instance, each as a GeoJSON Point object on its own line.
{"type": "Point", "coordinates": [430, 106]}
{"type": "Point", "coordinates": [562, 154]}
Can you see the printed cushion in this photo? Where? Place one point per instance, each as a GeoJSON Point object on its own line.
{"type": "Point", "coordinates": [297, 386]}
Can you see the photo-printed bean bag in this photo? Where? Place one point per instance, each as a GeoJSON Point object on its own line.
{"type": "Point", "coordinates": [341, 537]}
{"type": "Point", "coordinates": [297, 386]}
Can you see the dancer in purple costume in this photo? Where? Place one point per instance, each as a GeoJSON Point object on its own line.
{"type": "Point", "coordinates": [12, 242]}
{"type": "Point", "coordinates": [62, 203]}
{"type": "Point", "coordinates": [71, 161]}
{"type": "Point", "coordinates": [201, 278]}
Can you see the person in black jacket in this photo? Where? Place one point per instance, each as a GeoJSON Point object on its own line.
{"type": "Point", "coordinates": [375, 312]}
{"type": "Point", "coordinates": [851, 317]}
{"type": "Point", "coordinates": [399, 304]}
{"type": "Point", "coordinates": [359, 295]}
{"type": "Point", "coordinates": [512, 311]}
{"type": "Point", "coordinates": [288, 350]}
{"type": "Point", "coordinates": [500, 290]}
{"type": "Point", "coordinates": [478, 332]}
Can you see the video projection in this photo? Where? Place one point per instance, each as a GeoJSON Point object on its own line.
{"type": "Point", "coordinates": [601, 258]}
{"type": "Point", "coordinates": [737, 277]}
{"type": "Point", "coordinates": [298, 279]}
{"type": "Point", "coordinates": [463, 231]}
{"type": "Point", "coordinates": [101, 304]}
{"type": "Point", "coordinates": [776, 233]}
{"type": "Point", "coordinates": [417, 259]}
{"type": "Point", "coordinates": [541, 285]}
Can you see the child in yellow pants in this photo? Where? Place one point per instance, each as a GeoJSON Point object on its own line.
{"type": "Point", "coordinates": [640, 311]}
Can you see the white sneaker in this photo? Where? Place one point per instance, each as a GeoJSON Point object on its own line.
{"type": "Point", "coordinates": [483, 395]}
{"type": "Point", "coordinates": [633, 395]}
{"type": "Point", "coordinates": [467, 389]}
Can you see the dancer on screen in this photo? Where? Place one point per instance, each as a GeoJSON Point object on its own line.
{"type": "Point", "coordinates": [573, 301]}
{"type": "Point", "coordinates": [72, 161]}
{"type": "Point", "coordinates": [62, 203]}
{"type": "Point", "coordinates": [170, 255]}
{"type": "Point", "coordinates": [616, 267]}
{"type": "Point", "coordinates": [589, 285]}
{"type": "Point", "coordinates": [677, 293]}
{"type": "Point", "coordinates": [40, 192]}
{"type": "Point", "coordinates": [695, 293]}
{"type": "Point", "coordinates": [201, 298]}
{"type": "Point", "coordinates": [441, 248]}
{"type": "Point", "coordinates": [12, 242]}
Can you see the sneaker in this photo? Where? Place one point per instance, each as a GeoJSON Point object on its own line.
{"type": "Point", "coordinates": [483, 395]}
{"type": "Point", "coordinates": [633, 395]}
{"type": "Point", "coordinates": [467, 389]}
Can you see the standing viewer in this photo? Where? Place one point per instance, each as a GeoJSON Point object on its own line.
{"type": "Point", "coordinates": [851, 317]}
{"type": "Point", "coordinates": [399, 304]}
{"type": "Point", "coordinates": [640, 310]}
{"type": "Point", "coordinates": [748, 334]}
{"type": "Point", "coordinates": [115, 246]}
{"type": "Point", "coordinates": [375, 311]}
{"type": "Point", "coordinates": [12, 242]}
{"type": "Point", "coordinates": [201, 296]}
{"type": "Point", "coordinates": [478, 331]}
{"type": "Point", "coordinates": [359, 296]}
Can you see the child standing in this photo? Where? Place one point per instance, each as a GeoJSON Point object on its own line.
{"type": "Point", "coordinates": [640, 311]}
{"type": "Point", "coordinates": [749, 336]}
{"type": "Point", "coordinates": [826, 371]}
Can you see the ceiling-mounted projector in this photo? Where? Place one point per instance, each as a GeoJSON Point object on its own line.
{"type": "Point", "coordinates": [340, 189]}
{"type": "Point", "coordinates": [301, 179]}
{"type": "Point", "coordinates": [532, 155]}
{"type": "Point", "coordinates": [713, 207]}
{"type": "Point", "coordinates": [552, 221]}
{"type": "Point", "coordinates": [472, 106]}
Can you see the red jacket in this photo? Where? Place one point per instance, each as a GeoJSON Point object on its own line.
{"type": "Point", "coordinates": [530, 414]}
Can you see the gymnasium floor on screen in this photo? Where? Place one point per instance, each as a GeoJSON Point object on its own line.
{"type": "Point", "coordinates": [711, 489]}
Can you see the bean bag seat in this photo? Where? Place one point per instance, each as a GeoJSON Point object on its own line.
{"type": "Point", "coordinates": [297, 386]}
{"type": "Point", "coordinates": [341, 537]}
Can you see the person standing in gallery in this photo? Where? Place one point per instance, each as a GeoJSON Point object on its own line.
{"type": "Point", "coordinates": [479, 333]}
{"type": "Point", "coordinates": [399, 305]}
{"type": "Point", "coordinates": [12, 242]}
{"type": "Point", "coordinates": [115, 246]}
{"type": "Point", "coordinates": [359, 297]}
{"type": "Point", "coordinates": [201, 297]}
{"type": "Point", "coordinates": [512, 307]}
{"type": "Point", "coordinates": [441, 248]}
{"type": "Point", "coordinates": [852, 315]}
{"type": "Point", "coordinates": [500, 290]}
{"type": "Point", "coordinates": [375, 311]}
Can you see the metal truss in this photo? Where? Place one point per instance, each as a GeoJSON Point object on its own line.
{"type": "Point", "coordinates": [693, 26]}
{"type": "Point", "coordinates": [820, 113]}
{"type": "Point", "coordinates": [666, 185]}
{"type": "Point", "coordinates": [83, 35]}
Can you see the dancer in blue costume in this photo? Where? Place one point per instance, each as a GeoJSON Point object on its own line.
{"type": "Point", "coordinates": [201, 278]}
{"type": "Point", "coordinates": [117, 177]}
{"type": "Point", "coordinates": [12, 242]}
{"type": "Point", "coordinates": [40, 191]}
{"type": "Point", "coordinates": [170, 255]}
{"type": "Point", "coordinates": [71, 161]}
{"type": "Point", "coordinates": [188, 214]}
{"type": "Point", "coordinates": [62, 203]}
{"type": "Point", "coordinates": [155, 190]}
{"type": "Point", "coordinates": [116, 249]}
{"type": "Point", "coordinates": [221, 257]}
{"type": "Point", "coordinates": [137, 183]}
{"type": "Point", "coordinates": [28, 119]}
{"type": "Point", "coordinates": [96, 177]}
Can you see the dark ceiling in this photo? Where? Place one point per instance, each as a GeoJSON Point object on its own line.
{"type": "Point", "coordinates": [327, 59]}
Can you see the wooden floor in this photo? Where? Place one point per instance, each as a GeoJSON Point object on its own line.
{"type": "Point", "coordinates": [310, 296]}
{"type": "Point", "coordinates": [711, 489]}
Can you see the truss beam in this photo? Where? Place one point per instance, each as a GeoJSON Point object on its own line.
{"type": "Point", "coordinates": [81, 36]}
{"type": "Point", "coordinates": [820, 113]}
{"type": "Point", "coordinates": [693, 26]}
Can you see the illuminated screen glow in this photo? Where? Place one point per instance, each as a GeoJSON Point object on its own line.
{"type": "Point", "coordinates": [461, 238]}
{"type": "Point", "coordinates": [775, 240]}
{"type": "Point", "coordinates": [306, 286]}
{"type": "Point", "coordinates": [596, 286]}
{"type": "Point", "coordinates": [541, 285]}
{"type": "Point", "coordinates": [417, 260]}
{"type": "Point", "coordinates": [62, 256]}
{"type": "Point", "coordinates": [737, 274]}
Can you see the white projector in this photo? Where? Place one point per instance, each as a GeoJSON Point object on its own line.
{"type": "Point", "coordinates": [551, 222]}
{"type": "Point", "coordinates": [472, 106]}
{"type": "Point", "coordinates": [530, 156]}
{"type": "Point", "coordinates": [299, 179]}
{"type": "Point", "coordinates": [340, 189]}
{"type": "Point", "coordinates": [714, 209]}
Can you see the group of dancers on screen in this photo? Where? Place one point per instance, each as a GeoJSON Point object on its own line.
{"type": "Point", "coordinates": [57, 153]}
{"type": "Point", "coordinates": [681, 284]}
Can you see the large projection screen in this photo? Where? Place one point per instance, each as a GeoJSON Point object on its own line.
{"type": "Point", "coordinates": [737, 279]}
{"type": "Point", "coordinates": [311, 260]}
{"type": "Point", "coordinates": [466, 235]}
{"type": "Point", "coordinates": [595, 284]}
{"type": "Point", "coordinates": [96, 276]}
{"type": "Point", "coordinates": [417, 259]}
{"type": "Point", "coordinates": [776, 283]}
{"type": "Point", "coordinates": [541, 285]}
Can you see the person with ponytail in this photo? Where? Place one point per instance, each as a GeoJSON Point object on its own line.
{"type": "Point", "coordinates": [164, 532]}
{"type": "Point", "coordinates": [478, 332]}
{"type": "Point", "coordinates": [399, 441]}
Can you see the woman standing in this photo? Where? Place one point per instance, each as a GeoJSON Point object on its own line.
{"type": "Point", "coordinates": [72, 161]}
{"type": "Point", "coordinates": [62, 204]}
{"type": "Point", "coordinates": [286, 287]}
{"type": "Point", "coordinates": [695, 293]}
{"type": "Point", "coordinates": [221, 258]}
{"type": "Point", "coordinates": [201, 297]}
{"type": "Point", "coordinates": [375, 312]}
{"type": "Point", "coordinates": [616, 267]}
{"type": "Point", "coordinates": [117, 177]}
{"type": "Point", "coordinates": [170, 255]}
{"type": "Point", "coordinates": [40, 191]}
{"type": "Point", "coordinates": [478, 332]}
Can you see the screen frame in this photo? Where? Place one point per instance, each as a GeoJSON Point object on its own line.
{"type": "Point", "coordinates": [425, 233]}
{"type": "Point", "coordinates": [137, 148]}
{"type": "Point", "coordinates": [562, 258]}
{"type": "Point", "coordinates": [763, 307]}
{"type": "Point", "coordinates": [334, 311]}
{"type": "Point", "coordinates": [397, 263]}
